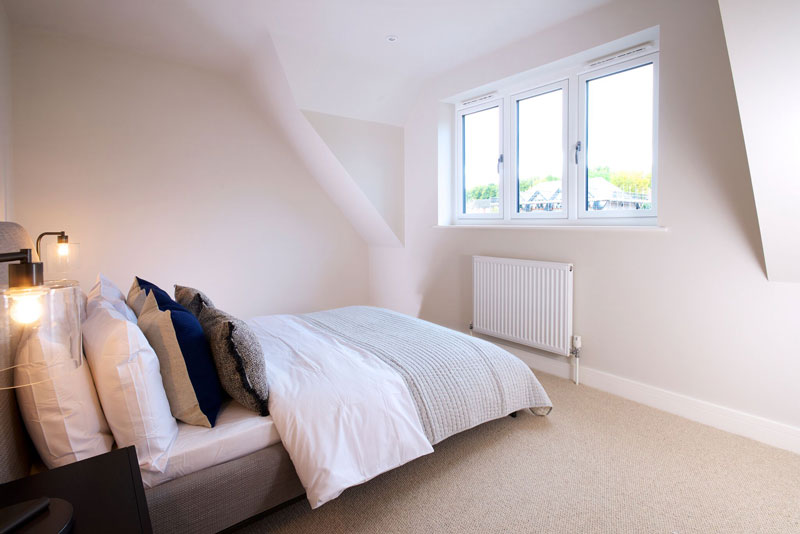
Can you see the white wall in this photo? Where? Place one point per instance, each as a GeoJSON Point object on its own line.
{"type": "Point", "coordinates": [372, 153]}
{"type": "Point", "coordinates": [5, 110]}
{"type": "Point", "coordinates": [174, 174]}
{"type": "Point", "coordinates": [763, 43]}
{"type": "Point", "coordinates": [688, 310]}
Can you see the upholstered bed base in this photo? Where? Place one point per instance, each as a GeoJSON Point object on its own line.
{"type": "Point", "coordinates": [221, 496]}
{"type": "Point", "coordinates": [16, 450]}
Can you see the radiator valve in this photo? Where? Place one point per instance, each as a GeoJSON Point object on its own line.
{"type": "Point", "coordinates": [575, 351]}
{"type": "Point", "coordinates": [576, 347]}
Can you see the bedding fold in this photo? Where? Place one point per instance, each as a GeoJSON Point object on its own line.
{"type": "Point", "coordinates": [357, 391]}
{"type": "Point", "coordinates": [457, 381]}
{"type": "Point", "coordinates": [343, 416]}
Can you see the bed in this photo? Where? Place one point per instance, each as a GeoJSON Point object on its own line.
{"type": "Point", "coordinates": [357, 391]}
{"type": "Point", "coordinates": [354, 392]}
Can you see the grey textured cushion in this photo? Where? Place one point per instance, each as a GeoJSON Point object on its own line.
{"type": "Point", "coordinates": [239, 358]}
{"type": "Point", "coordinates": [192, 299]}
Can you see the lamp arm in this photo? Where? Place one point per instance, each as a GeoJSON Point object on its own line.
{"type": "Point", "coordinates": [23, 256]}
{"type": "Point", "coordinates": [26, 273]}
{"type": "Point", "coordinates": [39, 240]}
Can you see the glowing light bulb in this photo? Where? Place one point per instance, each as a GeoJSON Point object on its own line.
{"type": "Point", "coordinates": [62, 249]}
{"type": "Point", "coordinates": [26, 309]}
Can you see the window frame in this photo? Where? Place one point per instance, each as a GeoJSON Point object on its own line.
{"type": "Point", "coordinates": [513, 191]}
{"type": "Point", "coordinates": [583, 80]}
{"type": "Point", "coordinates": [506, 98]}
{"type": "Point", "coordinates": [460, 199]}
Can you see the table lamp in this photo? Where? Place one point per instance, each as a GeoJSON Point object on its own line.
{"type": "Point", "coordinates": [48, 312]}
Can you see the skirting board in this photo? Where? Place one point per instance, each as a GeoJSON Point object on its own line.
{"type": "Point", "coordinates": [750, 426]}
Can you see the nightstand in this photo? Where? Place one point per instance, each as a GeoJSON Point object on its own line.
{"type": "Point", "coordinates": [106, 493]}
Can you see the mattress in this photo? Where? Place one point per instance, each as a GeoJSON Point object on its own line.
{"type": "Point", "coordinates": [237, 433]}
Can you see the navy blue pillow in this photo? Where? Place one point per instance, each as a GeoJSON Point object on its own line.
{"type": "Point", "coordinates": [196, 354]}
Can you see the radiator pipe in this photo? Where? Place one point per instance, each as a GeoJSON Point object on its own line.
{"type": "Point", "coordinates": [576, 353]}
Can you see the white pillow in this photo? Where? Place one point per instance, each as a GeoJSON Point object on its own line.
{"type": "Point", "coordinates": [60, 410]}
{"type": "Point", "coordinates": [128, 379]}
{"type": "Point", "coordinates": [105, 290]}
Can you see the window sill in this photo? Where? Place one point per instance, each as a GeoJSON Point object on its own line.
{"type": "Point", "coordinates": [637, 228]}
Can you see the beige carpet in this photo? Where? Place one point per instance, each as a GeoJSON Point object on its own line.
{"type": "Point", "coordinates": [596, 464]}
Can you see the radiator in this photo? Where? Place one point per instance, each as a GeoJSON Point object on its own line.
{"type": "Point", "coordinates": [524, 301]}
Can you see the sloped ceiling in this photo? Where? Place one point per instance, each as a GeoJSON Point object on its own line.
{"type": "Point", "coordinates": [763, 42]}
{"type": "Point", "coordinates": [334, 53]}
{"type": "Point", "coordinates": [271, 89]}
{"type": "Point", "coordinates": [373, 155]}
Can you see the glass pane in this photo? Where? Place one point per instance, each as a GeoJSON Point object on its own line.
{"type": "Point", "coordinates": [619, 141]}
{"type": "Point", "coordinates": [481, 152]}
{"type": "Point", "coordinates": [540, 152]}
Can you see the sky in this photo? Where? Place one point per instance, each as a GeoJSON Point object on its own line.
{"type": "Point", "coordinates": [620, 130]}
{"type": "Point", "coordinates": [620, 121]}
{"type": "Point", "coordinates": [481, 147]}
{"type": "Point", "coordinates": [541, 136]}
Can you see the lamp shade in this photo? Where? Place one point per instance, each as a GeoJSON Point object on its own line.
{"type": "Point", "coordinates": [40, 332]}
{"type": "Point", "coordinates": [61, 258]}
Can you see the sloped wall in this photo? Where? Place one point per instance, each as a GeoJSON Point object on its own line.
{"type": "Point", "coordinates": [763, 42]}
{"type": "Point", "coordinates": [267, 81]}
{"type": "Point", "coordinates": [372, 153]}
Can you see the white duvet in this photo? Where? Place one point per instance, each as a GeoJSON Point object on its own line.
{"type": "Point", "coordinates": [323, 398]}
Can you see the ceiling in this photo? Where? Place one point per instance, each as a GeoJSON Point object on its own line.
{"type": "Point", "coordinates": [334, 52]}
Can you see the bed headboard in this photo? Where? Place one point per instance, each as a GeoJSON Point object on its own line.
{"type": "Point", "coordinates": [15, 447]}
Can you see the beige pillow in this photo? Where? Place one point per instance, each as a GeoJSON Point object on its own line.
{"type": "Point", "coordinates": [136, 297]}
{"type": "Point", "coordinates": [195, 406]}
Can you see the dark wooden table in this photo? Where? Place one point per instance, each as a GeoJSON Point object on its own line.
{"type": "Point", "coordinates": [106, 492]}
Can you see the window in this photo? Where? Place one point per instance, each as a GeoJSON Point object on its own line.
{"type": "Point", "coordinates": [481, 186]}
{"type": "Point", "coordinates": [578, 149]}
{"type": "Point", "coordinates": [541, 165]}
{"type": "Point", "coordinates": [617, 177]}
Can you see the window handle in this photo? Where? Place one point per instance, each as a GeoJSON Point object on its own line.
{"type": "Point", "coordinates": [577, 149]}
{"type": "Point", "coordinates": [499, 162]}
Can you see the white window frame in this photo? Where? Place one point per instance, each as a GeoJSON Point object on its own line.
{"type": "Point", "coordinates": [459, 201]}
{"type": "Point", "coordinates": [513, 190]}
{"type": "Point", "coordinates": [573, 82]}
{"type": "Point", "coordinates": [583, 80]}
